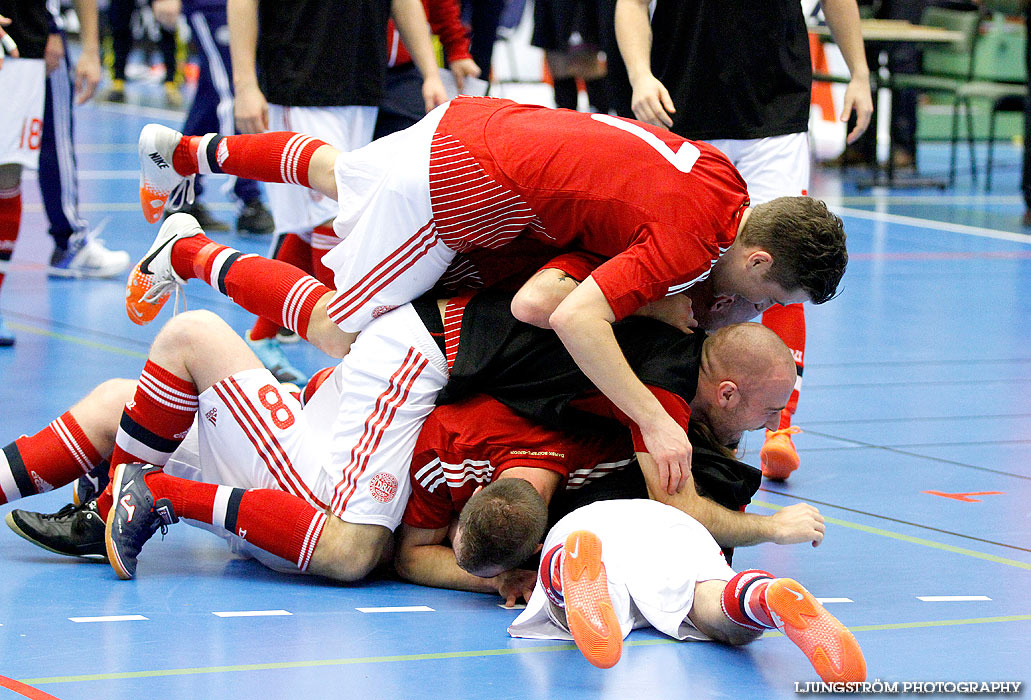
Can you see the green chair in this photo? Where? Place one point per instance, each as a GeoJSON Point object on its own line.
{"type": "Point", "coordinates": [946, 69]}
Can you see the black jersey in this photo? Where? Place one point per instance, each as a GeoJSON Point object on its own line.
{"type": "Point", "coordinates": [529, 370]}
{"type": "Point", "coordinates": [735, 69]}
{"type": "Point", "coordinates": [30, 25]}
{"type": "Point", "coordinates": [320, 53]}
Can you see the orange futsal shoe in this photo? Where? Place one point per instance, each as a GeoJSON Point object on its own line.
{"type": "Point", "coordinates": [778, 457]}
{"type": "Point", "coordinates": [158, 179]}
{"type": "Point", "coordinates": [589, 613]}
{"type": "Point", "coordinates": [831, 648]}
{"type": "Point", "coordinates": [153, 278]}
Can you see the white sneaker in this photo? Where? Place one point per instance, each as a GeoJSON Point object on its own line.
{"type": "Point", "coordinates": [158, 179]}
{"type": "Point", "coordinates": [88, 257]}
{"type": "Point", "coordinates": [154, 278]}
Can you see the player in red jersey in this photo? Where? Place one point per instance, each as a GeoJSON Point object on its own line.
{"type": "Point", "coordinates": [479, 172]}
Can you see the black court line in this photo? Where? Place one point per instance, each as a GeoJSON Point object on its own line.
{"type": "Point", "coordinates": [940, 460]}
{"type": "Point", "coordinates": [896, 520]}
{"type": "Point", "coordinates": [895, 384]}
{"type": "Point", "coordinates": [910, 419]}
{"type": "Point", "coordinates": [922, 363]}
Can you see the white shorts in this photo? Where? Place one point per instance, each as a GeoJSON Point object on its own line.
{"type": "Point", "coordinates": [296, 209]}
{"type": "Point", "coordinates": [776, 166]}
{"type": "Point", "coordinates": [23, 85]}
{"type": "Point", "coordinates": [349, 450]}
{"type": "Point", "coordinates": [654, 555]}
{"type": "Point", "coordinates": [390, 253]}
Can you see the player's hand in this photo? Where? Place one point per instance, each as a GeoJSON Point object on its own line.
{"type": "Point", "coordinates": [87, 76]}
{"type": "Point", "coordinates": [676, 310]}
{"type": "Point", "coordinates": [798, 523]}
{"type": "Point", "coordinates": [464, 68]}
{"type": "Point", "coordinates": [7, 45]}
{"type": "Point", "coordinates": [166, 12]}
{"type": "Point", "coordinates": [858, 98]}
{"type": "Point", "coordinates": [433, 92]}
{"type": "Point", "coordinates": [651, 102]}
{"type": "Point", "coordinates": [516, 584]}
{"type": "Point", "coordinates": [53, 52]}
{"type": "Point", "coordinates": [251, 110]}
{"type": "Point", "coordinates": [669, 447]}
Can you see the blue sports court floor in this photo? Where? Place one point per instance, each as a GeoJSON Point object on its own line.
{"type": "Point", "coordinates": [917, 449]}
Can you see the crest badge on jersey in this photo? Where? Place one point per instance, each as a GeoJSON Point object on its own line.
{"type": "Point", "coordinates": [383, 487]}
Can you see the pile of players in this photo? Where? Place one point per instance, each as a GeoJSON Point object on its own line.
{"type": "Point", "coordinates": [603, 358]}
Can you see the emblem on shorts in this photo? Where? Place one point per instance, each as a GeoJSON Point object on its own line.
{"type": "Point", "coordinates": [383, 487]}
{"type": "Point", "coordinates": [380, 310]}
{"type": "Point", "coordinates": [212, 415]}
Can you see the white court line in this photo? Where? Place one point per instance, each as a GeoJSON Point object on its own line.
{"type": "Point", "coordinates": [835, 600]}
{"type": "Point", "coordinates": [95, 175]}
{"type": "Point", "coordinates": [402, 608]}
{"type": "Point", "coordinates": [517, 606]}
{"type": "Point", "coordinates": [950, 598]}
{"type": "Point", "coordinates": [934, 225]}
{"type": "Point", "coordinates": [109, 618]}
{"type": "Point", "coordinates": [252, 613]}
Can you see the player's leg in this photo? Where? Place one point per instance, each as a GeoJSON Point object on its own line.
{"type": "Point", "coordinates": [268, 288]}
{"type": "Point", "coordinates": [755, 601]}
{"type": "Point", "coordinates": [777, 167]}
{"type": "Point", "coordinates": [10, 226]}
{"type": "Point", "coordinates": [590, 614]}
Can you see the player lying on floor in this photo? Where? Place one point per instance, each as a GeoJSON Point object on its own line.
{"type": "Point", "coordinates": [613, 566]}
{"type": "Point", "coordinates": [483, 479]}
{"type": "Point", "coordinates": [478, 173]}
{"type": "Point", "coordinates": [249, 434]}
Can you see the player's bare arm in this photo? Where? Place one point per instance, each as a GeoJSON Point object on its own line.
{"type": "Point", "coordinates": [87, 68]}
{"type": "Point", "coordinates": [410, 18]}
{"type": "Point", "coordinates": [583, 321]}
{"type": "Point", "coordinates": [249, 105]}
{"type": "Point", "coordinates": [538, 298]}
{"type": "Point", "coordinates": [650, 101]}
{"type": "Point", "coordinates": [843, 20]}
{"type": "Point", "coordinates": [791, 525]}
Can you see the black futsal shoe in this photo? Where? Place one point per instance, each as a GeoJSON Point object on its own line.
{"type": "Point", "coordinates": [74, 531]}
{"type": "Point", "coordinates": [134, 518]}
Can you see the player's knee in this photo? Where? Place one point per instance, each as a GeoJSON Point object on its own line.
{"type": "Point", "coordinates": [10, 176]}
{"type": "Point", "coordinates": [348, 552]}
{"type": "Point", "coordinates": [190, 329]}
{"type": "Point", "coordinates": [112, 395]}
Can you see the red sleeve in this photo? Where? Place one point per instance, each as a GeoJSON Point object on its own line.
{"type": "Point", "coordinates": [426, 510]}
{"type": "Point", "coordinates": [445, 18]}
{"type": "Point", "coordinates": [577, 264]}
{"type": "Point", "coordinates": [598, 404]}
{"type": "Point", "coordinates": [660, 263]}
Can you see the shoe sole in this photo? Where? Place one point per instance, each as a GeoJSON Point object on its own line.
{"type": "Point", "coordinates": [13, 524]}
{"type": "Point", "coordinates": [152, 199]}
{"type": "Point", "coordinates": [831, 648]}
{"type": "Point", "coordinates": [112, 553]}
{"type": "Point", "coordinates": [589, 613]}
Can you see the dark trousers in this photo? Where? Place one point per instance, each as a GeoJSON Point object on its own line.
{"type": "Point", "coordinates": [1025, 179]}
{"type": "Point", "coordinates": [119, 19]}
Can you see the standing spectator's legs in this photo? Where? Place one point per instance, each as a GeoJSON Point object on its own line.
{"type": "Point", "coordinates": [167, 44]}
{"type": "Point", "coordinates": [483, 17]}
{"type": "Point", "coordinates": [1025, 180]}
{"type": "Point", "coordinates": [119, 19]}
{"type": "Point", "coordinates": [75, 253]}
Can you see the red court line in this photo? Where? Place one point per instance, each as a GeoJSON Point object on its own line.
{"type": "Point", "coordinates": [24, 690]}
{"type": "Point", "coordinates": [1000, 255]}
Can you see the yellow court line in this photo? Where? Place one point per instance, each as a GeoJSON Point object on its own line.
{"type": "Point", "coordinates": [913, 540]}
{"type": "Point", "coordinates": [78, 341]}
{"type": "Point", "coordinates": [459, 654]}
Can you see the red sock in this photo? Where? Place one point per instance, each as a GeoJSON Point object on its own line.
{"type": "Point", "coordinates": [157, 418]}
{"type": "Point", "coordinates": [744, 600]}
{"type": "Point", "coordinates": [10, 221]}
{"type": "Point", "coordinates": [275, 156]}
{"type": "Point", "coordinates": [789, 323]}
{"type": "Point", "coordinates": [57, 455]}
{"type": "Point", "coordinates": [276, 521]}
{"type": "Point", "coordinates": [293, 250]}
{"type": "Point", "coordinates": [323, 240]}
{"type": "Point", "coordinates": [268, 288]}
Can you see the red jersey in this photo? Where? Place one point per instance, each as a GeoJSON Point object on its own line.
{"type": "Point", "coordinates": [468, 444]}
{"type": "Point", "coordinates": [661, 207]}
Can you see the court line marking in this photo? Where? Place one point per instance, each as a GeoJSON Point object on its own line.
{"type": "Point", "coordinates": [950, 598]}
{"type": "Point", "coordinates": [252, 613]}
{"type": "Point", "coordinates": [26, 691]}
{"type": "Point", "coordinates": [934, 225]}
{"type": "Point", "coordinates": [480, 653]}
{"type": "Point", "coordinates": [949, 200]}
{"type": "Point", "coordinates": [109, 618]}
{"type": "Point", "coordinates": [908, 538]}
{"type": "Point", "coordinates": [397, 609]}
{"type": "Point", "coordinates": [824, 601]}
{"type": "Point", "coordinates": [78, 341]}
